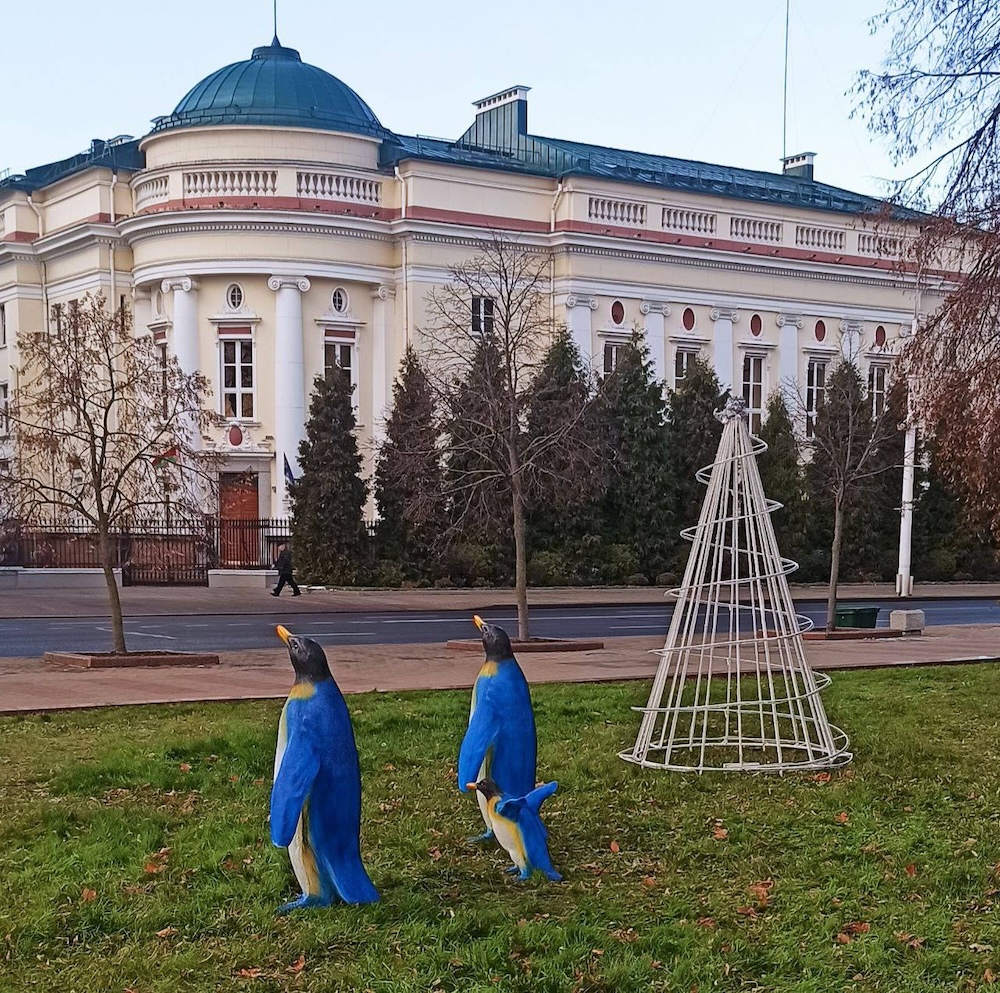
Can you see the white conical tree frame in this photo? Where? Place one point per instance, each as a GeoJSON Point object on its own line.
{"type": "Point", "coordinates": [733, 691]}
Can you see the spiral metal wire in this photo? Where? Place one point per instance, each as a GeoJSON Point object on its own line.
{"type": "Point", "coordinates": [733, 690]}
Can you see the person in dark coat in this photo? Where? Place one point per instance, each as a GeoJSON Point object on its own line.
{"type": "Point", "coordinates": [283, 563]}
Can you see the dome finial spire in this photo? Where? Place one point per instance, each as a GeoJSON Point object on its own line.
{"type": "Point", "coordinates": [274, 6]}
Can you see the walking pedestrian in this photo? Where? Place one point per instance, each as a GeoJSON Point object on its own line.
{"type": "Point", "coordinates": [283, 563]}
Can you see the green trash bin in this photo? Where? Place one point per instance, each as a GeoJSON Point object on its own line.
{"type": "Point", "coordinates": [857, 617]}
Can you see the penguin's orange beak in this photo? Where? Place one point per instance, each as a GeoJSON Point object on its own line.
{"type": "Point", "coordinates": [471, 786]}
{"type": "Point", "coordinates": [283, 633]}
{"type": "Point", "coordinates": [478, 621]}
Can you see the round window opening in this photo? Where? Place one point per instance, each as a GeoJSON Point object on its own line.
{"type": "Point", "coordinates": [158, 303]}
{"type": "Point", "coordinates": [755, 325]}
{"type": "Point", "coordinates": [688, 319]}
{"type": "Point", "coordinates": [880, 336]}
{"type": "Point", "coordinates": [234, 296]}
{"type": "Point", "coordinates": [618, 312]}
{"type": "Point", "coordinates": [338, 300]}
{"type": "Point", "coordinates": [820, 330]}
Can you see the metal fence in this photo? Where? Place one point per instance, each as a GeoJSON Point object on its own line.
{"type": "Point", "coordinates": [150, 552]}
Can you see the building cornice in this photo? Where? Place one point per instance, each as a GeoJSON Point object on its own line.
{"type": "Point", "coordinates": [346, 272]}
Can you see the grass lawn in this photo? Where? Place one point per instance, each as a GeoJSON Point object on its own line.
{"type": "Point", "coordinates": [134, 854]}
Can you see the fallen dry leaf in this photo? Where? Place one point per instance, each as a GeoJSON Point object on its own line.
{"type": "Point", "coordinates": [88, 895]}
{"type": "Point", "coordinates": [842, 939]}
{"type": "Point", "coordinates": [821, 777]}
{"type": "Point", "coordinates": [761, 891]}
{"type": "Point", "coordinates": [435, 853]}
{"type": "Point", "coordinates": [720, 833]}
{"type": "Point", "coordinates": [858, 927]}
{"type": "Point", "coordinates": [746, 911]}
{"type": "Point", "coordinates": [649, 881]}
{"type": "Point", "coordinates": [185, 767]}
{"type": "Point", "coordinates": [707, 922]}
{"type": "Point", "coordinates": [298, 965]}
{"type": "Point", "coordinates": [988, 977]}
{"type": "Point", "coordinates": [615, 847]}
{"type": "Point", "coordinates": [252, 973]}
{"type": "Point", "coordinates": [842, 817]}
{"type": "Point", "coordinates": [388, 767]}
{"type": "Point", "coordinates": [152, 868]}
{"type": "Point", "coordinates": [911, 869]}
{"type": "Point", "coordinates": [166, 932]}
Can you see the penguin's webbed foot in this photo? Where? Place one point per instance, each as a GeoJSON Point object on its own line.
{"type": "Point", "coordinates": [479, 838]}
{"type": "Point", "coordinates": [512, 869]}
{"type": "Point", "coordinates": [524, 874]}
{"type": "Point", "coordinates": [554, 876]}
{"type": "Point", "coordinates": [302, 903]}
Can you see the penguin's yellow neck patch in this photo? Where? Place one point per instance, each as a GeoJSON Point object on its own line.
{"type": "Point", "coordinates": [302, 691]}
{"type": "Point", "coordinates": [488, 669]}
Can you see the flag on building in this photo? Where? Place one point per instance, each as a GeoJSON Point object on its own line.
{"type": "Point", "coordinates": [171, 455]}
{"type": "Point", "coordinates": [289, 478]}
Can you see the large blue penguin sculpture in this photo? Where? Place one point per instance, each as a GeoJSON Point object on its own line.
{"type": "Point", "coordinates": [500, 743]}
{"type": "Point", "coordinates": [518, 826]}
{"type": "Point", "coordinates": [316, 798]}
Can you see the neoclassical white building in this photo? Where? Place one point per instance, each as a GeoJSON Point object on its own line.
{"type": "Point", "coordinates": [270, 226]}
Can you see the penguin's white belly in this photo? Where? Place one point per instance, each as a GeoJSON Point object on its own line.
{"type": "Point", "coordinates": [509, 836]}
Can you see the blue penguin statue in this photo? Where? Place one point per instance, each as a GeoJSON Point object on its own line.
{"type": "Point", "coordinates": [316, 798]}
{"type": "Point", "coordinates": [500, 743]}
{"type": "Point", "coordinates": [519, 828]}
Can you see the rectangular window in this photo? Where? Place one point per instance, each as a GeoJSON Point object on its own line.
{"type": "Point", "coordinates": [3, 324]}
{"type": "Point", "coordinates": [237, 379]}
{"type": "Point", "coordinates": [482, 315]}
{"type": "Point", "coordinates": [682, 362]}
{"type": "Point", "coordinates": [4, 410]}
{"type": "Point", "coordinates": [878, 377]}
{"type": "Point", "coordinates": [611, 353]}
{"type": "Point", "coordinates": [815, 392]}
{"type": "Point", "coordinates": [753, 389]}
{"type": "Point", "coordinates": [339, 354]}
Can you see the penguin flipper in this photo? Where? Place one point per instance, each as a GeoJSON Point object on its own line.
{"type": "Point", "coordinates": [479, 738]}
{"type": "Point", "coordinates": [533, 801]}
{"type": "Point", "coordinates": [352, 882]}
{"type": "Point", "coordinates": [299, 767]}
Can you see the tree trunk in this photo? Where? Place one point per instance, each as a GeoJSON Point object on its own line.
{"type": "Point", "coordinates": [520, 559]}
{"type": "Point", "coordinates": [838, 534]}
{"type": "Point", "coordinates": [114, 597]}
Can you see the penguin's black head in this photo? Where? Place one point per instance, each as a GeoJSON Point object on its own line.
{"type": "Point", "coordinates": [495, 640]}
{"type": "Point", "coordinates": [308, 658]}
{"type": "Point", "coordinates": [487, 787]}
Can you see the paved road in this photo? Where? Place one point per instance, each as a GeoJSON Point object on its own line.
{"type": "Point", "coordinates": [232, 633]}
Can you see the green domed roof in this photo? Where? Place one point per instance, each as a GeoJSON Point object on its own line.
{"type": "Point", "coordinates": [274, 87]}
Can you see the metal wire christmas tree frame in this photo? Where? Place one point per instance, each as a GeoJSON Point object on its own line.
{"type": "Point", "coordinates": [733, 691]}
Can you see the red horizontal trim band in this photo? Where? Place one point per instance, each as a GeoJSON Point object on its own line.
{"type": "Point", "coordinates": [233, 330]}
{"type": "Point", "coordinates": [19, 236]}
{"type": "Point", "coordinates": [475, 220]}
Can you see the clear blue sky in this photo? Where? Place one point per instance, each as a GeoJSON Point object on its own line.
{"type": "Point", "coordinates": [693, 80]}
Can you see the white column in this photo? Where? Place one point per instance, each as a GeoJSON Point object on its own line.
{"type": "Point", "coordinates": [578, 321]}
{"type": "Point", "coordinates": [184, 340]}
{"type": "Point", "coordinates": [722, 335]}
{"type": "Point", "coordinates": [289, 379]}
{"type": "Point", "coordinates": [904, 579]}
{"type": "Point", "coordinates": [382, 308]}
{"type": "Point", "coordinates": [788, 351]}
{"type": "Point", "coordinates": [654, 314]}
{"type": "Point", "coordinates": [185, 322]}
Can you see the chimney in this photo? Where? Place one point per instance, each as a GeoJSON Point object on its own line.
{"type": "Point", "coordinates": [799, 166]}
{"type": "Point", "coordinates": [501, 119]}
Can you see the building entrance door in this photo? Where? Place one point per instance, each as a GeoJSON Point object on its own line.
{"type": "Point", "coordinates": [239, 525]}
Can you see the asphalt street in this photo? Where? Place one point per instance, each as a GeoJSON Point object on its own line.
{"type": "Point", "coordinates": [234, 632]}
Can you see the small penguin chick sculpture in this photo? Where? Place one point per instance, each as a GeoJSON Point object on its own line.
{"type": "Point", "coordinates": [500, 742]}
{"type": "Point", "coordinates": [519, 828]}
{"type": "Point", "coordinates": [316, 798]}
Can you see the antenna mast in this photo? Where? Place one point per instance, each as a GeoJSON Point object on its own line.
{"type": "Point", "coordinates": [784, 104]}
{"type": "Point", "coordinates": [275, 5]}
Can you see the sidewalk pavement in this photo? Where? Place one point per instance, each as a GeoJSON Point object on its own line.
{"type": "Point", "coordinates": [138, 601]}
{"type": "Point", "coordinates": [29, 685]}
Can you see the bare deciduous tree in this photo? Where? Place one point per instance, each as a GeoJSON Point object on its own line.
{"type": "Point", "coordinates": [939, 89]}
{"type": "Point", "coordinates": [487, 333]}
{"type": "Point", "coordinates": [105, 428]}
{"type": "Point", "coordinates": [846, 455]}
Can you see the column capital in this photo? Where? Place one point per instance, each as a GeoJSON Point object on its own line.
{"type": "Point", "coordinates": [654, 307]}
{"type": "Point", "coordinates": [185, 283]}
{"type": "Point", "coordinates": [795, 320]}
{"type": "Point", "coordinates": [299, 283]}
{"type": "Point", "coordinates": [724, 314]}
{"type": "Point", "coordinates": [574, 300]}
{"type": "Point", "coordinates": [383, 292]}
